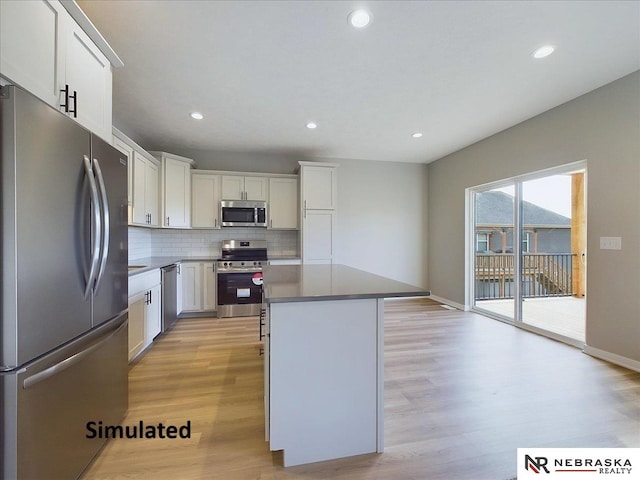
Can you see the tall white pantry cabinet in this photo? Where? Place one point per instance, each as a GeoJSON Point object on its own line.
{"type": "Point", "coordinates": [318, 211]}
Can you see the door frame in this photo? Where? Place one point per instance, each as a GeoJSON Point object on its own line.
{"type": "Point", "coordinates": [469, 255]}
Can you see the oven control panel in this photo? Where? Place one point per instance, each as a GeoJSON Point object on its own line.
{"type": "Point", "coordinates": [240, 265]}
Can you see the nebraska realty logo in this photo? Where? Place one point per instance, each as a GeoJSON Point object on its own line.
{"type": "Point", "coordinates": [554, 463]}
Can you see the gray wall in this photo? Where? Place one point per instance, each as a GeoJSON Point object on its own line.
{"type": "Point", "coordinates": [602, 127]}
{"type": "Point", "coordinates": [382, 210]}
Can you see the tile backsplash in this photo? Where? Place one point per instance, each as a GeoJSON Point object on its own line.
{"type": "Point", "coordinates": [144, 242]}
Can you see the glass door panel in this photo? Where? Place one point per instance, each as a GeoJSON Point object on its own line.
{"type": "Point", "coordinates": [495, 268]}
{"type": "Point", "coordinates": [550, 254]}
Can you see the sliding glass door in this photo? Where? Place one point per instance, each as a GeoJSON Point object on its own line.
{"type": "Point", "coordinates": [494, 259]}
{"type": "Point", "coordinates": [529, 251]}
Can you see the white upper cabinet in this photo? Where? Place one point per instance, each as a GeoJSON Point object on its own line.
{"type": "Point", "coordinates": [283, 203]}
{"type": "Point", "coordinates": [88, 78]}
{"type": "Point", "coordinates": [205, 200]}
{"type": "Point", "coordinates": [29, 47]}
{"type": "Point", "coordinates": [239, 187]}
{"type": "Point", "coordinates": [127, 150]}
{"type": "Point", "coordinates": [319, 187]}
{"type": "Point", "coordinates": [176, 190]}
{"type": "Point", "coordinates": [145, 191]}
{"type": "Point", "coordinates": [51, 53]}
{"type": "Point", "coordinates": [256, 188]}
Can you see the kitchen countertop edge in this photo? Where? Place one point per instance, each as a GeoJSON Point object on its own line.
{"type": "Point", "coordinates": [384, 288]}
{"type": "Point", "coordinates": [152, 263]}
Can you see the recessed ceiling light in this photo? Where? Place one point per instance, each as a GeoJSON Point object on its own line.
{"type": "Point", "coordinates": [416, 135]}
{"type": "Point", "coordinates": [196, 115]}
{"type": "Point", "coordinates": [359, 18]}
{"type": "Point", "coordinates": [312, 125]}
{"type": "Point", "coordinates": [543, 51]}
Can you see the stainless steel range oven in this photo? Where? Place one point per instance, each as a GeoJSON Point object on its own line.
{"type": "Point", "coordinates": [240, 277]}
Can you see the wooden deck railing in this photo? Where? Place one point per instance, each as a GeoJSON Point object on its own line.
{"type": "Point", "coordinates": [544, 275]}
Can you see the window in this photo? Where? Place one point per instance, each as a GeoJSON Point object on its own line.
{"type": "Point", "coordinates": [482, 242]}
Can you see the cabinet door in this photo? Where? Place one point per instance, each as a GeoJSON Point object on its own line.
{"type": "Point", "coordinates": [128, 151]}
{"type": "Point", "coordinates": [319, 188]}
{"type": "Point", "coordinates": [88, 74]}
{"type": "Point", "coordinates": [209, 287]}
{"type": "Point", "coordinates": [29, 50]}
{"type": "Point", "coordinates": [151, 192]}
{"type": "Point", "coordinates": [256, 188]}
{"type": "Point", "coordinates": [232, 187]}
{"type": "Point", "coordinates": [283, 203]}
{"type": "Point", "coordinates": [179, 290]}
{"type": "Point", "coordinates": [137, 306]}
{"type": "Point", "coordinates": [317, 243]}
{"type": "Point", "coordinates": [139, 189]}
{"type": "Point", "coordinates": [152, 315]}
{"type": "Point", "coordinates": [177, 193]}
{"type": "Point", "coordinates": [205, 201]}
{"type": "Point", "coordinates": [191, 273]}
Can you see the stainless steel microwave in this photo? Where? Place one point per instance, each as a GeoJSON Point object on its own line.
{"type": "Point", "coordinates": [243, 213]}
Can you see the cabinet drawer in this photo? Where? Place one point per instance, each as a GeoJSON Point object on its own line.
{"type": "Point", "coordinates": [143, 281]}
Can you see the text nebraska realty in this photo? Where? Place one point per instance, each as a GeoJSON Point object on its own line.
{"type": "Point", "coordinates": [98, 430]}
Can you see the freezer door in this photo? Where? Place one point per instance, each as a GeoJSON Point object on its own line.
{"type": "Point", "coordinates": [52, 400]}
{"type": "Point", "coordinates": [45, 231]}
{"type": "Point", "coordinates": [111, 290]}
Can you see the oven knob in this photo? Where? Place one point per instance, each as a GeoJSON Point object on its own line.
{"type": "Point", "coordinates": [242, 263]}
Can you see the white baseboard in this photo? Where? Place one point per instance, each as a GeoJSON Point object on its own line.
{"type": "Point", "coordinates": [451, 303]}
{"type": "Point", "coordinates": [613, 358]}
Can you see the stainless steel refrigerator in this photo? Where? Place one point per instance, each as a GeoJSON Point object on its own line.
{"type": "Point", "coordinates": [63, 295]}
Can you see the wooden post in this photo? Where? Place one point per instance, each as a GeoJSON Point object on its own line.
{"type": "Point", "coordinates": [578, 235]}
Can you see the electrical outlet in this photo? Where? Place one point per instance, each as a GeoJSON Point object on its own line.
{"type": "Point", "coordinates": [610, 243]}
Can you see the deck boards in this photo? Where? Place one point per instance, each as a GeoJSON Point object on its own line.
{"type": "Point", "coordinates": [462, 392]}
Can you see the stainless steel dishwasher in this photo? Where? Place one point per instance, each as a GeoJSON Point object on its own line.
{"type": "Point", "coordinates": [169, 296]}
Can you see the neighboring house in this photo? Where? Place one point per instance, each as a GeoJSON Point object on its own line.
{"type": "Point", "coordinates": [546, 245]}
{"type": "Point", "coordinates": [544, 231]}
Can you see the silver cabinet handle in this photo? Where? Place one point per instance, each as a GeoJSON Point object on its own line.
{"type": "Point", "coordinates": [105, 221]}
{"type": "Point", "coordinates": [96, 226]}
{"type": "Point", "coordinates": [305, 209]}
{"type": "Point", "coordinates": [68, 362]}
{"type": "Point", "coordinates": [168, 221]}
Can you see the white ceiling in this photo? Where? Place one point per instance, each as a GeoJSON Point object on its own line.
{"type": "Point", "coordinates": [457, 71]}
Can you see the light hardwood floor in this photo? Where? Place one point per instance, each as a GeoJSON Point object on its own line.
{"type": "Point", "coordinates": [462, 392]}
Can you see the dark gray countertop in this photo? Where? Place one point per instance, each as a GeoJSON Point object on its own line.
{"type": "Point", "coordinates": [151, 263]}
{"type": "Point", "coordinates": [304, 283]}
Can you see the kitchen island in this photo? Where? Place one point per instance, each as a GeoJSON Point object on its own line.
{"type": "Point", "coordinates": [324, 347]}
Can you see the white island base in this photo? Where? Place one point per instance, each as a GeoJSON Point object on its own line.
{"type": "Point", "coordinates": [324, 378]}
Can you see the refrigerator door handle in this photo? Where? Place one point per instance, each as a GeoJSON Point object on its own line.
{"type": "Point", "coordinates": [105, 221]}
{"type": "Point", "coordinates": [70, 361]}
{"type": "Point", "coordinates": [96, 226]}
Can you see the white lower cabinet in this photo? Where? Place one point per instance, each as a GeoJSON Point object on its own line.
{"type": "Point", "coordinates": [199, 286]}
{"type": "Point", "coordinates": [137, 306]}
{"type": "Point", "coordinates": [145, 299]}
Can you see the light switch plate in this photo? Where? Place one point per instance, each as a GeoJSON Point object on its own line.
{"type": "Point", "coordinates": [610, 243]}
